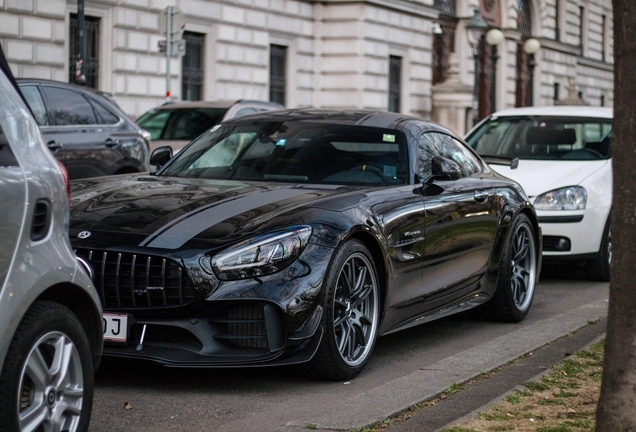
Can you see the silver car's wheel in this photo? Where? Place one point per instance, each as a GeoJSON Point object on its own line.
{"type": "Point", "coordinates": [351, 305]}
{"type": "Point", "coordinates": [51, 385]}
{"type": "Point", "coordinates": [47, 378]}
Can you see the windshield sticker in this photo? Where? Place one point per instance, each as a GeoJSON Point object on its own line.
{"type": "Point", "coordinates": [389, 171]}
{"type": "Point", "coordinates": [388, 138]}
{"type": "Point", "coordinates": [281, 142]}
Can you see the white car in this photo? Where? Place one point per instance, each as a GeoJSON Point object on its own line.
{"type": "Point", "coordinates": [561, 157]}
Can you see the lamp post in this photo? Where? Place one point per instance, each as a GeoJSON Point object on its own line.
{"type": "Point", "coordinates": [531, 47]}
{"type": "Point", "coordinates": [493, 38]}
{"type": "Point", "coordinates": [474, 29]}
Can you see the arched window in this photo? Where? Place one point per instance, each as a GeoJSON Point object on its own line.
{"type": "Point", "coordinates": [444, 39]}
{"type": "Point", "coordinates": [525, 62]}
{"type": "Point", "coordinates": [524, 19]}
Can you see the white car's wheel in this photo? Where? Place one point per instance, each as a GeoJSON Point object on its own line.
{"type": "Point", "coordinates": [599, 268]}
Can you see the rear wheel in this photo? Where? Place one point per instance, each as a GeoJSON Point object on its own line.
{"type": "Point", "coordinates": [47, 377]}
{"type": "Point", "coordinates": [518, 274]}
{"type": "Point", "coordinates": [598, 269]}
{"type": "Point", "coordinates": [351, 314]}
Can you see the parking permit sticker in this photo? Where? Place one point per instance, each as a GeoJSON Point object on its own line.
{"type": "Point", "coordinates": [281, 142]}
{"type": "Point", "coordinates": [388, 138]}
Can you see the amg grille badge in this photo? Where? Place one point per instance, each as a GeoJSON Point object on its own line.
{"type": "Point", "coordinates": [143, 291]}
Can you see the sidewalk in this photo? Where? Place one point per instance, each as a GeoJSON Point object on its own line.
{"type": "Point", "coordinates": [397, 396]}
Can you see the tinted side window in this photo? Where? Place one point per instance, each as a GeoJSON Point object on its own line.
{"type": "Point", "coordinates": [7, 158]}
{"type": "Point", "coordinates": [34, 99]}
{"type": "Point", "coordinates": [67, 107]}
{"type": "Point", "coordinates": [433, 144]}
{"type": "Point", "coordinates": [245, 111]}
{"type": "Point", "coordinates": [104, 116]}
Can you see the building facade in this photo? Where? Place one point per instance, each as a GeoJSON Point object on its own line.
{"type": "Point", "coordinates": [410, 56]}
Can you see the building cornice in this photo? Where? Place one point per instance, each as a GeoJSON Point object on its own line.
{"type": "Point", "coordinates": [413, 7]}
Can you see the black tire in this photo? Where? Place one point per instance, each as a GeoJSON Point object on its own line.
{"type": "Point", "coordinates": [517, 276]}
{"type": "Point", "coordinates": [351, 315]}
{"type": "Point", "coordinates": [49, 341]}
{"type": "Point", "coordinates": [598, 269]}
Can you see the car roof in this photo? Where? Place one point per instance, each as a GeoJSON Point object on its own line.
{"type": "Point", "coordinates": [100, 94]}
{"type": "Point", "coordinates": [215, 104]}
{"type": "Point", "coordinates": [371, 118]}
{"type": "Point", "coordinates": [558, 111]}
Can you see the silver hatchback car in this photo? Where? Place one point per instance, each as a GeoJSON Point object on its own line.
{"type": "Point", "coordinates": [50, 315]}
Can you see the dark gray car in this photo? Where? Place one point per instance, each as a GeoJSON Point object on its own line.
{"type": "Point", "coordinates": [50, 315]}
{"type": "Point", "coordinates": [85, 130]}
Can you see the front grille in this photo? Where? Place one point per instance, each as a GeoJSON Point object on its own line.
{"type": "Point", "coordinates": [245, 326]}
{"type": "Point", "coordinates": [127, 280]}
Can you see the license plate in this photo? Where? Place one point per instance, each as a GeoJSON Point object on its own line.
{"type": "Point", "coordinates": [115, 327]}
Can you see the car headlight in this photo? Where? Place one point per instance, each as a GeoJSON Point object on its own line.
{"type": "Point", "coordinates": [262, 254]}
{"type": "Point", "coordinates": [569, 198]}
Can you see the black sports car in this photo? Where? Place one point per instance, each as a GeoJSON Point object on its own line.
{"type": "Point", "coordinates": [299, 237]}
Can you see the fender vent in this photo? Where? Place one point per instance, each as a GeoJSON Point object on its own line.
{"type": "Point", "coordinates": [41, 220]}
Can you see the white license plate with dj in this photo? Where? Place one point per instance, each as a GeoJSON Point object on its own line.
{"type": "Point", "coordinates": [115, 327]}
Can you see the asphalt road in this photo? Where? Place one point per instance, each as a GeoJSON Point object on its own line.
{"type": "Point", "coordinates": [407, 367]}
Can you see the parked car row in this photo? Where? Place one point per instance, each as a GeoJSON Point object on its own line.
{"type": "Point", "coordinates": [272, 236]}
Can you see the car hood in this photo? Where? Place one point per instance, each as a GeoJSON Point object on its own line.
{"type": "Point", "coordinates": [167, 213]}
{"type": "Point", "coordinates": [537, 177]}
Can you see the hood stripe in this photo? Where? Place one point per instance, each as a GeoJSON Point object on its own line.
{"type": "Point", "coordinates": [189, 226]}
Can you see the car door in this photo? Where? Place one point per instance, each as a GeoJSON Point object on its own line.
{"type": "Point", "coordinates": [13, 196]}
{"type": "Point", "coordinates": [73, 132]}
{"type": "Point", "coordinates": [461, 221]}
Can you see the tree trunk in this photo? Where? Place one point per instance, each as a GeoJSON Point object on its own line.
{"type": "Point", "coordinates": [617, 405]}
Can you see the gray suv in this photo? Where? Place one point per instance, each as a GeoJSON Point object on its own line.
{"type": "Point", "coordinates": [50, 316]}
{"type": "Point", "coordinates": [85, 129]}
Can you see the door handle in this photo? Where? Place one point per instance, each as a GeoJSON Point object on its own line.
{"type": "Point", "coordinates": [111, 143]}
{"type": "Point", "coordinates": [481, 196]}
{"type": "Point", "coordinates": [53, 145]}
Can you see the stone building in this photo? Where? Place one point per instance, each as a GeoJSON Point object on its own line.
{"type": "Point", "coordinates": [410, 56]}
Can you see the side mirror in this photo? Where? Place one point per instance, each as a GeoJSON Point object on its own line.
{"type": "Point", "coordinates": [444, 169]}
{"type": "Point", "coordinates": [160, 156]}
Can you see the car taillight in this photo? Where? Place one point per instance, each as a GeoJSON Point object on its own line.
{"type": "Point", "coordinates": [66, 181]}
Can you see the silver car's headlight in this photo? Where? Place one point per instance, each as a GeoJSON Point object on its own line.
{"type": "Point", "coordinates": [261, 255]}
{"type": "Point", "coordinates": [568, 198]}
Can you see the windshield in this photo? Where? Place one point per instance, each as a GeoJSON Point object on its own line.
{"type": "Point", "coordinates": [298, 152]}
{"type": "Point", "coordinates": [545, 138]}
{"type": "Point", "coordinates": [180, 123]}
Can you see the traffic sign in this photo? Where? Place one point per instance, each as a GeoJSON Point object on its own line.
{"type": "Point", "coordinates": [178, 21]}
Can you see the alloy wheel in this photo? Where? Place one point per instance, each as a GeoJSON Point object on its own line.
{"type": "Point", "coordinates": [524, 267]}
{"type": "Point", "coordinates": [51, 386]}
{"type": "Point", "coordinates": [355, 312]}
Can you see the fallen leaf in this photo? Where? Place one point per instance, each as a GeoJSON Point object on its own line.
{"type": "Point", "coordinates": [127, 406]}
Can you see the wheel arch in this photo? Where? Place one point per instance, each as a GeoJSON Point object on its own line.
{"type": "Point", "coordinates": [81, 304]}
{"type": "Point", "coordinates": [372, 244]}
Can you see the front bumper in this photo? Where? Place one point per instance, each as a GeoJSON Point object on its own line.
{"type": "Point", "coordinates": [229, 334]}
{"type": "Point", "coordinates": [583, 231]}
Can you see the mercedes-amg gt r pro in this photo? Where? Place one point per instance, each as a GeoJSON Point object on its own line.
{"type": "Point", "coordinates": [299, 237]}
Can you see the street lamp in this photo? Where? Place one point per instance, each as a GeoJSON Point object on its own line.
{"type": "Point", "coordinates": [493, 38]}
{"type": "Point", "coordinates": [531, 47]}
{"type": "Point", "coordinates": [474, 29]}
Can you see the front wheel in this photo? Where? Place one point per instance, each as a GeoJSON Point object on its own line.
{"type": "Point", "coordinates": [518, 274]}
{"type": "Point", "coordinates": [351, 314]}
{"type": "Point", "coordinates": [47, 376]}
{"type": "Point", "coordinates": [598, 269]}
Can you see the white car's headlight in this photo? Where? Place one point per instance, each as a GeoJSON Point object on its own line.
{"type": "Point", "coordinates": [569, 198]}
{"type": "Point", "coordinates": [261, 255]}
